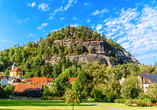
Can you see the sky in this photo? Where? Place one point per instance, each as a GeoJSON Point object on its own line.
{"type": "Point", "coordinates": [131, 23]}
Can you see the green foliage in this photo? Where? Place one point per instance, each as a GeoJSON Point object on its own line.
{"type": "Point", "coordinates": [90, 49]}
{"type": "Point", "coordinates": [9, 90]}
{"type": "Point", "coordinates": [2, 93]}
{"type": "Point", "coordinates": [90, 99]}
{"type": "Point", "coordinates": [149, 103]}
{"type": "Point", "coordinates": [106, 99]}
{"type": "Point", "coordinates": [73, 97]}
{"type": "Point", "coordinates": [6, 72]}
{"type": "Point", "coordinates": [129, 102]}
{"type": "Point", "coordinates": [152, 92]}
{"type": "Point", "coordinates": [97, 99]}
{"type": "Point", "coordinates": [120, 100]}
{"type": "Point", "coordinates": [140, 103]}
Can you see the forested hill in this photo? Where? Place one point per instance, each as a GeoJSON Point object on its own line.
{"type": "Point", "coordinates": [66, 46]}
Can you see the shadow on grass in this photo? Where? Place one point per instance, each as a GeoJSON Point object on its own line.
{"type": "Point", "coordinates": [34, 103]}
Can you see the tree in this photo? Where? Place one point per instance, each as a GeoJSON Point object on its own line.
{"type": "Point", "coordinates": [130, 88]}
{"type": "Point", "coordinates": [6, 72]}
{"type": "Point", "coordinates": [72, 98]}
{"type": "Point", "coordinates": [152, 92]}
{"type": "Point", "coordinates": [89, 48]}
{"type": "Point", "coordinates": [9, 90]}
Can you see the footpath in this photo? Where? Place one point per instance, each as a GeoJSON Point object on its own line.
{"type": "Point", "coordinates": [106, 106]}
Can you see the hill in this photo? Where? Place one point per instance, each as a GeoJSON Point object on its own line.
{"type": "Point", "coordinates": [67, 46]}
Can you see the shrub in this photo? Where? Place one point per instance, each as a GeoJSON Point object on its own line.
{"type": "Point", "coordinates": [30, 98]}
{"type": "Point", "coordinates": [19, 97]}
{"type": "Point", "coordinates": [142, 96]}
{"type": "Point", "coordinates": [43, 97]}
{"type": "Point", "coordinates": [146, 100]}
{"type": "Point", "coordinates": [140, 103]}
{"type": "Point", "coordinates": [50, 98]}
{"type": "Point", "coordinates": [106, 99]}
{"type": "Point", "coordinates": [120, 100]}
{"type": "Point", "coordinates": [97, 99]}
{"type": "Point", "coordinates": [149, 103]}
{"type": "Point", "coordinates": [129, 102]}
{"type": "Point", "coordinates": [90, 99]}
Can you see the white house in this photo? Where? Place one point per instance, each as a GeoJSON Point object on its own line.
{"type": "Point", "coordinates": [146, 80]}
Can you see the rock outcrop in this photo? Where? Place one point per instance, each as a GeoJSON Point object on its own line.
{"type": "Point", "coordinates": [100, 50]}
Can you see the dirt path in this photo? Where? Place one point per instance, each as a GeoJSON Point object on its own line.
{"type": "Point", "coordinates": [106, 106]}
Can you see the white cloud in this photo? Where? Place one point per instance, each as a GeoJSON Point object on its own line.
{"type": "Point", "coordinates": [53, 14]}
{"type": "Point", "coordinates": [2, 40]}
{"type": "Point", "coordinates": [42, 25]}
{"type": "Point", "coordinates": [100, 12]}
{"type": "Point", "coordinates": [62, 18]}
{"type": "Point", "coordinates": [74, 25]}
{"type": "Point", "coordinates": [74, 18]}
{"type": "Point", "coordinates": [146, 56]}
{"type": "Point", "coordinates": [136, 30]}
{"type": "Point", "coordinates": [44, 7]}
{"type": "Point", "coordinates": [99, 26]}
{"type": "Point", "coordinates": [88, 20]}
{"type": "Point", "coordinates": [30, 35]}
{"type": "Point", "coordinates": [87, 4]}
{"type": "Point", "coordinates": [33, 4]}
{"type": "Point", "coordinates": [69, 4]}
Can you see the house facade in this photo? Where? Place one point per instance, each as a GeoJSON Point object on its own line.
{"type": "Point", "coordinates": [16, 72]}
{"type": "Point", "coordinates": [4, 81]}
{"type": "Point", "coordinates": [146, 80]}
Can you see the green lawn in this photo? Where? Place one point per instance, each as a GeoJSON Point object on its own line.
{"type": "Point", "coordinates": [43, 105]}
{"type": "Point", "coordinates": [116, 105]}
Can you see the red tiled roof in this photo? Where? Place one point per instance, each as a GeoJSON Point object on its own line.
{"type": "Point", "coordinates": [21, 87]}
{"type": "Point", "coordinates": [16, 70]}
{"type": "Point", "coordinates": [72, 79]}
{"type": "Point", "coordinates": [2, 77]}
{"type": "Point", "coordinates": [29, 80]}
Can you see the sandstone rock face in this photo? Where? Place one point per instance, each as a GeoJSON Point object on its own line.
{"type": "Point", "coordinates": [86, 58]}
{"type": "Point", "coordinates": [100, 50]}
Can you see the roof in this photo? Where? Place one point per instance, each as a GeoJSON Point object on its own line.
{"type": "Point", "coordinates": [151, 77]}
{"type": "Point", "coordinates": [72, 79]}
{"type": "Point", "coordinates": [146, 83]}
{"type": "Point", "coordinates": [42, 80]}
{"type": "Point", "coordinates": [50, 79]}
{"type": "Point", "coordinates": [3, 77]}
{"type": "Point", "coordinates": [16, 70]}
{"type": "Point", "coordinates": [21, 87]}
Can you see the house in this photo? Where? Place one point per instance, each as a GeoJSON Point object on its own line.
{"type": "Point", "coordinates": [4, 81]}
{"type": "Point", "coordinates": [38, 80]}
{"type": "Point", "coordinates": [16, 72]}
{"type": "Point", "coordinates": [26, 90]}
{"type": "Point", "coordinates": [146, 80]}
{"type": "Point", "coordinates": [72, 80]}
{"type": "Point", "coordinates": [14, 80]}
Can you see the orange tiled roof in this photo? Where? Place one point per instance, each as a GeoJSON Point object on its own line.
{"type": "Point", "coordinates": [16, 70]}
{"type": "Point", "coordinates": [21, 87]}
{"type": "Point", "coordinates": [2, 77]}
{"type": "Point", "coordinates": [72, 79]}
{"type": "Point", "coordinates": [50, 79]}
{"type": "Point", "coordinates": [42, 80]}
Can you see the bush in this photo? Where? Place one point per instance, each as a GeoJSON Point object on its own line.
{"type": "Point", "coordinates": [19, 97]}
{"type": "Point", "coordinates": [140, 103]}
{"type": "Point", "coordinates": [43, 97]}
{"type": "Point", "coordinates": [142, 96]}
{"type": "Point", "coordinates": [149, 103]}
{"type": "Point", "coordinates": [50, 98]}
{"type": "Point", "coordinates": [90, 99]}
{"type": "Point", "coordinates": [97, 99]}
{"type": "Point", "coordinates": [145, 100]}
{"type": "Point", "coordinates": [120, 100]}
{"type": "Point", "coordinates": [106, 99]}
{"type": "Point", "coordinates": [129, 102]}
{"type": "Point", "coordinates": [30, 98]}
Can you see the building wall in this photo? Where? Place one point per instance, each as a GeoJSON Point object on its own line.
{"type": "Point", "coordinates": [16, 74]}
{"type": "Point", "coordinates": [4, 82]}
{"type": "Point", "coordinates": [13, 74]}
{"type": "Point", "coordinates": [145, 87]}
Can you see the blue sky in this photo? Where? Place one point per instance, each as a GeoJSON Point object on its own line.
{"type": "Point", "coordinates": [132, 23]}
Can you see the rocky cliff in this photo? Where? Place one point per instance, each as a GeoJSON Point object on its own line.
{"type": "Point", "coordinates": [100, 52]}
